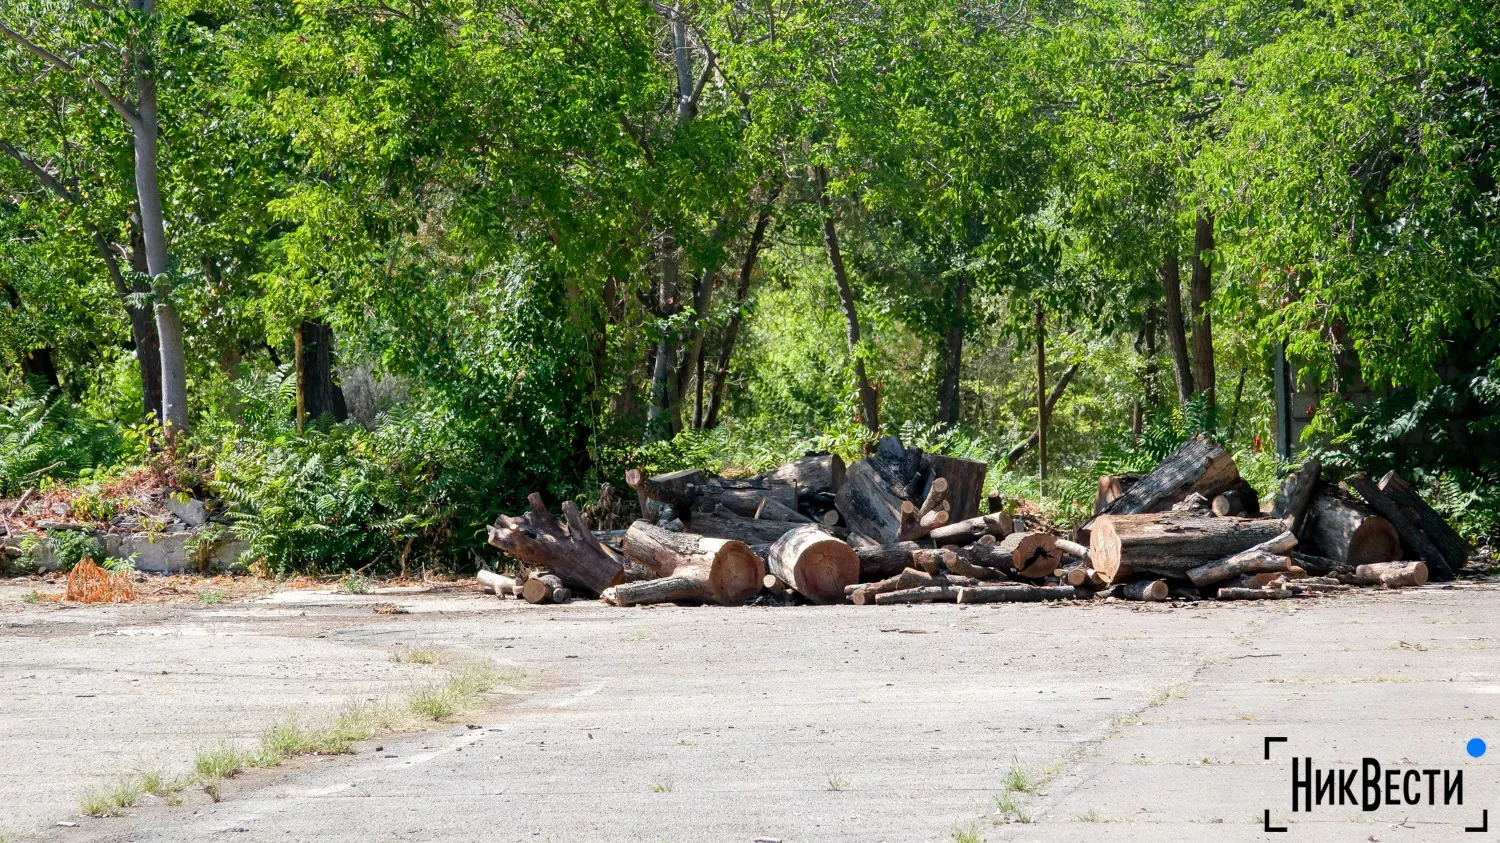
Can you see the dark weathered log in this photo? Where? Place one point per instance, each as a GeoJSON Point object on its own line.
{"type": "Point", "coordinates": [725, 571]}
{"type": "Point", "coordinates": [1297, 491]}
{"type": "Point", "coordinates": [771, 509]}
{"type": "Point", "coordinates": [1255, 594]}
{"type": "Point", "coordinates": [1016, 593]}
{"type": "Point", "coordinates": [1453, 547]}
{"type": "Point", "coordinates": [809, 475]}
{"type": "Point", "coordinates": [1266, 556]}
{"type": "Point", "coordinates": [673, 489]}
{"type": "Point", "coordinates": [1303, 587]}
{"type": "Point", "coordinates": [964, 567]}
{"type": "Point", "coordinates": [814, 563]}
{"type": "Point", "coordinates": [739, 498]}
{"type": "Point", "coordinates": [864, 595]}
{"type": "Point", "coordinates": [1391, 574]}
{"type": "Point", "coordinates": [545, 588]}
{"type": "Point", "coordinates": [965, 483]}
{"type": "Point", "coordinates": [1349, 532]}
{"type": "Point", "coordinates": [925, 594]}
{"type": "Point", "coordinates": [887, 560]}
{"type": "Point", "coordinates": [996, 524]}
{"type": "Point", "coordinates": [1168, 543]}
{"type": "Point", "coordinates": [1412, 538]}
{"type": "Point", "coordinates": [723, 524]}
{"type": "Point", "coordinates": [1032, 555]}
{"type": "Point", "coordinates": [1198, 465]}
{"type": "Point", "coordinates": [572, 553]}
{"type": "Point", "coordinates": [868, 506]}
{"type": "Point", "coordinates": [1112, 486]}
{"type": "Point", "coordinates": [1320, 566]}
{"type": "Point", "coordinates": [1193, 503]}
{"type": "Point", "coordinates": [1146, 591]}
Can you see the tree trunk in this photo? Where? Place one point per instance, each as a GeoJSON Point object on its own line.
{"type": "Point", "coordinates": [723, 524]}
{"type": "Point", "coordinates": [572, 553]}
{"type": "Point", "coordinates": [953, 350]}
{"type": "Point", "coordinates": [142, 323]}
{"type": "Point", "coordinates": [1412, 538]}
{"type": "Point", "coordinates": [1200, 294]}
{"type": "Point", "coordinates": [1198, 465]}
{"type": "Point", "coordinates": [1170, 543]}
{"type": "Point", "coordinates": [732, 329]}
{"type": "Point", "coordinates": [543, 589]}
{"type": "Point", "coordinates": [868, 401]}
{"type": "Point", "coordinates": [1454, 549]}
{"type": "Point", "coordinates": [810, 475]}
{"type": "Point", "coordinates": [1041, 402]}
{"type": "Point", "coordinates": [1349, 532]}
{"type": "Point", "coordinates": [1296, 494]}
{"type": "Point", "coordinates": [1145, 591]}
{"type": "Point", "coordinates": [659, 424]}
{"type": "Point", "coordinates": [1032, 555]}
{"type": "Point", "coordinates": [1111, 487]}
{"type": "Point", "coordinates": [692, 362]}
{"type": "Point", "coordinates": [1268, 556]}
{"type": "Point", "coordinates": [814, 563]}
{"type": "Point", "coordinates": [317, 392]}
{"type": "Point", "coordinates": [723, 571]}
{"type": "Point", "coordinates": [1031, 441]}
{"type": "Point", "coordinates": [1391, 574]}
{"type": "Point", "coordinates": [1148, 387]}
{"type": "Point", "coordinates": [1171, 285]}
{"type": "Point", "coordinates": [965, 480]}
{"type": "Point", "coordinates": [997, 524]}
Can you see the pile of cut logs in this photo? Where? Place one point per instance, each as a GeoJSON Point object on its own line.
{"type": "Point", "coordinates": [902, 526]}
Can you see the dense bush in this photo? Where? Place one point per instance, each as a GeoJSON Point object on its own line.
{"type": "Point", "coordinates": [43, 439]}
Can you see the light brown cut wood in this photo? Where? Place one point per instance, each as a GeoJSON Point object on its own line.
{"type": "Point", "coordinates": [498, 584]}
{"type": "Point", "coordinates": [966, 568]}
{"type": "Point", "coordinates": [726, 571]}
{"type": "Point", "coordinates": [864, 595]}
{"type": "Point", "coordinates": [1198, 465]}
{"type": "Point", "coordinates": [814, 563]}
{"type": "Point", "coordinates": [545, 588]}
{"type": "Point", "coordinates": [1349, 532]}
{"type": "Point", "coordinates": [886, 560]}
{"type": "Point", "coordinates": [1453, 547]}
{"type": "Point", "coordinates": [1079, 577]}
{"type": "Point", "coordinates": [1112, 486]}
{"type": "Point", "coordinates": [674, 490]}
{"type": "Point", "coordinates": [968, 532]}
{"type": "Point", "coordinates": [933, 561]}
{"type": "Point", "coordinates": [925, 594]}
{"type": "Point", "coordinates": [1391, 574]}
{"type": "Point", "coordinates": [1412, 538]}
{"type": "Point", "coordinates": [573, 553]}
{"type": "Point", "coordinates": [1170, 544]}
{"type": "Point", "coordinates": [1015, 593]}
{"type": "Point", "coordinates": [831, 518]}
{"type": "Point", "coordinates": [1255, 594]}
{"type": "Point", "coordinates": [1032, 554]}
{"type": "Point", "coordinates": [774, 585]}
{"type": "Point", "coordinates": [1297, 490]}
{"type": "Point", "coordinates": [1146, 591]}
{"type": "Point", "coordinates": [965, 483]}
{"type": "Point", "coordinates": [1073, 549]}
{"type": "Point", "coordinates": [1266, 556]}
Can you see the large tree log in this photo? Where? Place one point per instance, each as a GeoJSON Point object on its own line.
{"type": "Point", "coordinates": [1261, 558]}
{"type": "Point", "coordinates": [1453, 547]}
{"type": "Point", "coordinates": [1032, 555]}
{"type": "Point", "coordinates": [874, 487]}
{"type": "Point", "coordinates": [814, 563]}
{"type": "Point", "coordinates": [997, 524]}
{"type": "Point", "coordinates": [1255, 594]}
{"type": "Point", "coordinates": [809, 475]}
{"type": "Point", "coordinates": [886, 560]}
{"type": "Point", "coordinates": [1348, 532]}
{"type": "Point", "coordinates": [572, 553]}
{"type": "Point", "coordinates": [1198, 465]}
{"type": "Point", "coordinates": [1170, 543]}
{"type": "Point", "coordinates": [542, 589]}
{"type": "Point", "coordinates": [965, 483]}
{"type": "Point", "coordinates": [1297, 491]}
{"type": "Point", "coordinates": [723, 524]}
{"type": "Point", "coordinates": [742, 500]}
{"type": "Point", "coordinates": [1391, 574]}
{"type": "Point", "coordinates": [771, 509]}
{"type": "Point", "coordinates": [725, 571]}
{"type": "Point", "coordinates": [1015, 593]}
{"type": "Point", "coordinates": [672, 489]}
{"type": "Point", "coordinates": [1145, 591]}
{"type": "Point", "coordinates": [1111, 487]}
{"type": "Point", "coordinates": [924, 594]}
{"type": "Point", "coordinates": [1413, 539]}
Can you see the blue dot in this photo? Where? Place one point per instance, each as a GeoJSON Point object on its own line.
{"type": "Point", "coordinates": [1476, 747]}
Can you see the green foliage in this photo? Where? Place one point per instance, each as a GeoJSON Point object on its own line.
{"type": "Point", "coordinates": [68, 548]}
{"type": "Point", "coordinates": [42, 439]}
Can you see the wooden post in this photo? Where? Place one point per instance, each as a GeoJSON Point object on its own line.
{"type": "Point", "coordinates": [1041, 403]}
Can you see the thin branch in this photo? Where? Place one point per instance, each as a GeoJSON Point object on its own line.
{"type": "Point", "coordinates": [125, 109]}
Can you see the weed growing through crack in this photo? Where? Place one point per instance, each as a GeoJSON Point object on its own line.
{"type": "Point", "coordinates": [110, 800]}
{"type": "Point", "coordinates": [434, 702]}
{"type": "Point", "coordinates": [355, 584]}
{"type": "Point", "coordinates": [662, 786]}
{"type": "Point", "coordinates": [1168, 694]}
{"type": "Point", "coordinates": [966, 834]}
{"type": "Point", "coordinates": [1020, 780]}
{"type": "Point", "coordinates": [837, 783]}
{"type": "Point", "coordinates": [209, 598]}
{"type": "Point", "coordinates": [32, 597]}
{"type": "Point", "coordinates": [223, 760]}
{"type": "Point", "coordinates": [421, 656]}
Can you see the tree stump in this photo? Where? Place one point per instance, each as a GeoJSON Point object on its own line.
{"type": "Point", "coordinates": [964, 480]}
{"type": "Point", "coordinates": [574, 554]}
{"type": "Point", "coordinates": [1169, 543]}
{"type": "Point", "coordinates": [814, 563]}
{"type": "Point", "coordinates": [1349, 532]}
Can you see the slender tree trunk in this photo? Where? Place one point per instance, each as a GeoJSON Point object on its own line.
{"type": "Point", "coordinates": [318, 394]}
{"type": "Point", "coordinates": [948, 393]}
{"type": "Point", "coordinates": [1052, 399]}
{"type": "Point", "coordinates": [143, 327]}
{"type": "Point", "coordinates": [1152, 363]}
{"type": "Point", "coordinates": [692, 364]}
{"type": "Point", "coordinates": [658, 416]}
{"type": "Point", "coordinates": [732, 329]}
{"type": "Point", "coordinates": [1041, 401]}
{"type": "Point", "coordinates": [1171, 285]}
{"type": "Point", "coordinates": [868, 401]}
{"type": "Point", "coordinates": [153, 229]}
{"type": "Point", "coordinates": [1201, 293]}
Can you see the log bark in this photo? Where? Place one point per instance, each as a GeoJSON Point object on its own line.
{"type": "Point", "coordinates": [672, 489]}
{"type": "Point", "coordinates": [542, 589]}
{"type": "Point", "coordinates": [1258, 559]}
{"type": "Point", "coordinates": [924, 594]}
{"type": "Point", "coordinates": [1241, 499]}
{"type": "Point", "coordinates": [741, 500]}
{"type": "Point", "coordinates": [864, 595]}
{"type": "Point", "coordinates": [1015, 593]}
{"type": "Point", "coordinates": [1032, 555]}
{"type": "Point", "coordinates": [1078, 577]}
{"type": "Point", "coordinates": [1170, 544]}
{"type": "Point", "coordinates": [874, 487]}
{"type": "Point", "coordinates": [1198, 465]}
{"type": "Point", "coordinates": [1453, 547]}
{"type": "Point", "coordinates": [725, 571]}
{"type": "Point", "coordinates": [996, 524]}
{"type": "Point", "coordinates": [1349, 532]}
{"type": "Point", "coordinates": [809, 475]}
{"type": "Point", "coordinates": [771, 509]}
{"type": "Point", "coordinates": [1074, 550]}
{"type": "Point", "coordinates": [723, 524]}
{"type": "Point", "coordinates": [1255, 594]}
{"type": "Point", "coordinates": [573, 553]}
{"type": "Point", "coordinates": [1297, 490]}
{"type": "Point", "coordinates": [1112, 487]}
{"type": "Point", "coordinates": [814, 563]}
{"type": "Point", "coordinates": [1199, 294]}
{"type": "Point", "coordinates": [965, 567]}
{"type": "Point", "coordinates": [1391, 574]}
{"type": "Point", "coordinates": [1412, 538]}
{"type": "Point", "coordinates": [878, 562]}
{"type": "Point", "coordinates": [1145, 591]}
{"type": "Point", "coordinates": [965, 480]}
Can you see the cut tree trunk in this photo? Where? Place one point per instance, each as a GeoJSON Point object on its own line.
{"type": "Point", "coordinates": [924, 594]}
{"type": "Point", "coordinates": [573, 553]}
{"type": "Point", "coordinates": [965, 479]}
{"type": "Point", "coordinates": [498, 584]}
{"type": "Point", "coordinates": [1348, 532]}
{"type": "Point", "coordinates": [1182, 368]}
{"type": "Point", "coordinates": [1073, 549]}
{"type": "Point", "coordinates": [1057, 390]}
{"type": "Point", "coordinates": [1296, 494]}
{"type": "Point", "coordinates": [674, 490]}
{"type": "Point", "coordinates": [879, 562]}
{"type": "Point", "coordinates": [814, 563]}
{"type": "Point", "coordinates": [918, 522]}
{"type": "Point", "coordinates": [864, 595]}
{"type": "Point", "coordinates": [1391, 574]}
{"type": "Point", "coordinates": [724, 571]}
{"type": "Point", "coordinates": [772, 510]}
{"type": "Point", "coordinates": [723, 524]}
{"type": "Point", "coordinates": [1145, 591]}
{"type": "Point", "coordinates": [874, 488]}
{"type": "Point", "coordinates": [1079, 577]}
{"type": "Point", "coordinates": [542, 589]}
{"type": "Point", "coordinates": [1412, 538]}
{"type": "Point", "coordinates": [809, 475]}
{"type": "Point", "coordinates": [1112, 486]}
{"type": "Point", "coordinates": [1255, 594]}
{"type": "Point", "coordinates": [1268, 556]}
{"type": "Point", "coordinates": [996, 524]}
{"type": "Point", "coordinates": [1198, 465]}
{"type": "Point", "coordinates": [1032, 555]}
{"type": "Point", "coordinates": [1240, 500]}
{"type": "Point", "coordinates": [1015, 593]}
{"type": "Point", "coordinates": [1169, 543]}
{"type": "Point", "coordinates": [1453, 547]}
{"type": "Point", "coordinates": [742, 501]}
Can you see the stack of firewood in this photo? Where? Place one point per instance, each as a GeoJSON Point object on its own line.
{"type": "Point", "coordinates": [902, 526]}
